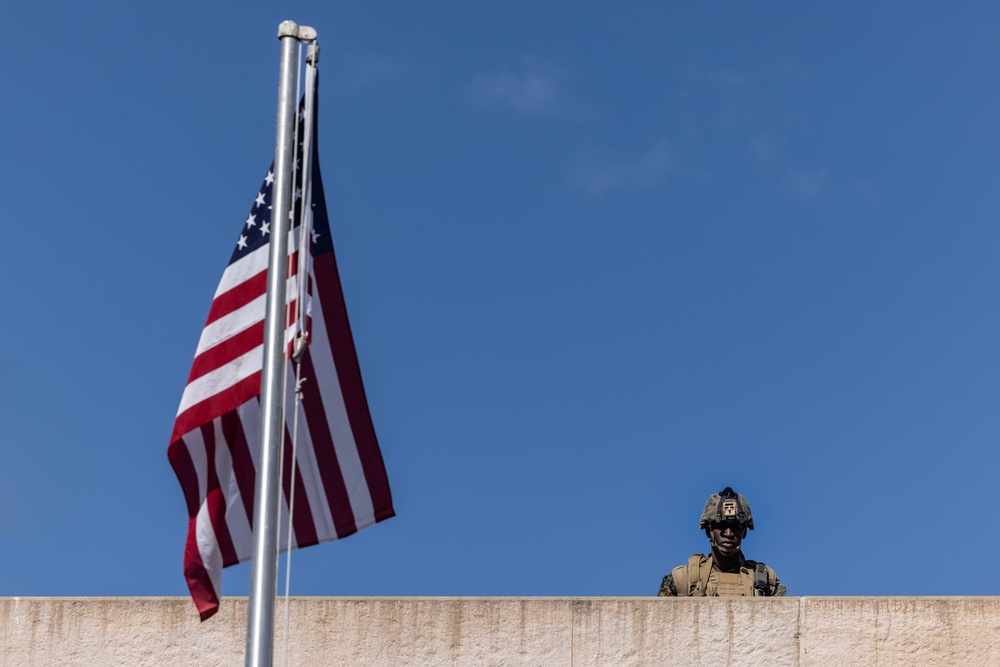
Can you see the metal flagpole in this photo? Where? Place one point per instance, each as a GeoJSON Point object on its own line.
{"type": "Point", "coordinates": [264, 570]}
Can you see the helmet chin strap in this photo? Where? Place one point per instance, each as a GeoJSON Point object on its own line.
{"type": "Point", "coordinates": [718, 547]}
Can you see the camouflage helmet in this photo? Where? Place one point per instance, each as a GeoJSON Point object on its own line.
{"type": "Point", "coordinates": [726, 505]}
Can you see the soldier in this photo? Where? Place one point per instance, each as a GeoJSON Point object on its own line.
{"type": "Point", "coordinates": [724, 573]}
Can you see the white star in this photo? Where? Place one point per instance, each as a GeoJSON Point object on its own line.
{"type": "Point", "coordinates": [259, 201]}
{"type": "Point", "coordinates": [315, 236]}
{"type": "Point", "coordinates": [242, 243]}
{"type": "Point", "coordinates": [269, 179]}
{"type": "Point", "coordinates": [250, 221]}
{"type": "Point", "coordinates": [298, 193]}
{"type": "Point", "coordinates": [265, 228]}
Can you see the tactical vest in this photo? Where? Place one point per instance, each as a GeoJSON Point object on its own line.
{"type": "Point", "coordinates": [698, 578]}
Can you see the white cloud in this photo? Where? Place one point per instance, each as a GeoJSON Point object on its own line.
{"type": "Point", "coordinates": [738, 95]}
{"type": "Point", "coordinates": [764, 148]}
{"type": "Point", "coordinates": [721, 79]}
{"type": "Point", "coordinates": [597, 174]}
{"type": "Point", "coordinates": [791, 69]}
{"type": "Point", "coordinates": [729, 80]}
{"type": "Point", "coordinates": [807, 183]}
{"type": "Point", "coordinates": [532, 88]}
{"type": "Point", "coordinates": [866, 188]}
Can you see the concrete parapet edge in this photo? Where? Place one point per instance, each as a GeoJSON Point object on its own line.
{"type": "Point", "coordinates": [543, 631]}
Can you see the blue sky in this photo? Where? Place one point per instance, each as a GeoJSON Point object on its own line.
{"type": "Point", "coordinates": [601, 260]}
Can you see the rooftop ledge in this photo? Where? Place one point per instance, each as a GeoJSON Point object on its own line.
{"type": "Point", "coordinates": [538, 631]}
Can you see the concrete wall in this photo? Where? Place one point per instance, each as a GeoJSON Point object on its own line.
{"type": "Point", "coordinates": [415, 632]}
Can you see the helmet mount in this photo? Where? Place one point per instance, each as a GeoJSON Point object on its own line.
{"type": "Point", "coordinates": [726, 506]}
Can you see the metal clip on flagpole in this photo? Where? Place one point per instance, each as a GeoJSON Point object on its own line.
{"type": "Point", "coordinates": [264, 571]}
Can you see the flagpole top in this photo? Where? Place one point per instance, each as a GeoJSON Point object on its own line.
{"type": "Point", "coordinates": [303, 33]}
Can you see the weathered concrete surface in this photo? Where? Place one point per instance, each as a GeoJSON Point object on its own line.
{"type": "Point", "coordinates": [875, 632]}
{"type": "Point", "coordinates": [802, 632]}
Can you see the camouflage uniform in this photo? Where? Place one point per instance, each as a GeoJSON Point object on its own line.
{"type": "Point", "coordinates": [699, 585]}
{"type": "Point", "coordinates": [701, 576]}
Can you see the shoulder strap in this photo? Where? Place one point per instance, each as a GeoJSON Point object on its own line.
{"type": "Point", "coordinates": [699, 569]}
{"type": "Point", "coordinates": [687, 579]}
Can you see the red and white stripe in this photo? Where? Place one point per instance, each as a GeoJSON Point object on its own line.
{"type": "Point", "coordinates": [340, 479]}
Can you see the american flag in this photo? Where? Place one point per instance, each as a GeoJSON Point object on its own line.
{"type": "Point", "coordinates": [340, 480]}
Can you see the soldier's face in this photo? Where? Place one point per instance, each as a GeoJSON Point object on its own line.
{"type": "Point", "coordinates": [727, 537]}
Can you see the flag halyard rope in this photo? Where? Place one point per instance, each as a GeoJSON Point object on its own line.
{"type": "Point", "coordinates": [302, 257]}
